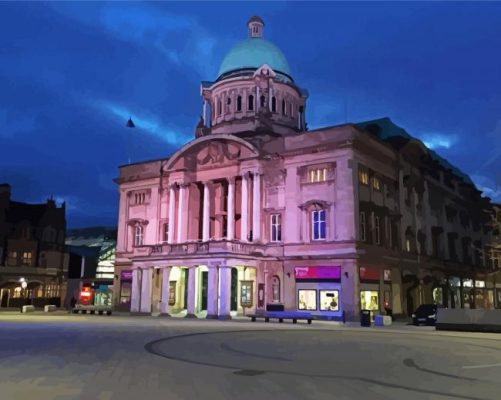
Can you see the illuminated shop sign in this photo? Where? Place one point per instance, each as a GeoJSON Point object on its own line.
{"type": "Point", "coordinates": [370, 274]}
{"type": "Point", "coordinates": [126, 276]}
{"type": "Point", "coordinates": [317, 273]}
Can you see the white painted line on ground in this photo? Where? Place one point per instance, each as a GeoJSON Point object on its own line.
{"type": "Point", "coordinates": [482, 366]}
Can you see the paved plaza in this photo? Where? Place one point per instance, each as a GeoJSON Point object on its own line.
{"type": "Point", "coordinates": [64, 356]}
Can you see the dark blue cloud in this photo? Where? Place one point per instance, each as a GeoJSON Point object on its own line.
{"type": "Point", "coordinates": [71, 73]}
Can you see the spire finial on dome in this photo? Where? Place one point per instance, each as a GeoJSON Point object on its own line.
{"type": "Point", "coordinates": [256, 27]}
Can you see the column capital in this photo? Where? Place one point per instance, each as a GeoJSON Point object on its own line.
{"type": "Point", "coordinates": [231, 179]}
{"type": "Point", "coordinates": [183, 185]}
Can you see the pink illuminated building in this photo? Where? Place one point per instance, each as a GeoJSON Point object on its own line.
{"type": "Point", "coordinates": [257, 211]}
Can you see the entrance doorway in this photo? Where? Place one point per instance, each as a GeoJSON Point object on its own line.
{"type": "Point", "coordinates": [234, 289]}
{"type": "Point", "coordinates": [205, 280]}
{"type": "Point", "coordinates": [185, 297]}
{"type": "Point", "coordinates": [4, 296]}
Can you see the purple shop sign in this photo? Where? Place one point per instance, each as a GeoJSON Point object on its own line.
{"type": "Point", "coordinates": [126, 276]}
{"type": "Point", "coordinates": [317, 272]}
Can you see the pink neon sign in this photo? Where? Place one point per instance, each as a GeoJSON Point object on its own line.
{"type": "Point", "coordinates": [317, 272]}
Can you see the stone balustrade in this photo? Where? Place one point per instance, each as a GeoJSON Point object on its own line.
{"type": "Point", "coordinates": [210, 247]}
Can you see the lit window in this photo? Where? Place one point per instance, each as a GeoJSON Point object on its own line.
{"type": "Point", "coordinates": [138, 235]}
{"type": "Point", "coordinates": [408, 245]}
{"type": "Point", "coordinates": [246, 293]}
{"type": "Point", "coordinates": [329, 300]}
{"type": "Point", "coordinates": [318, 224]}
{"type": "Point", "coordinates": [318, 175]}
{"type": "Point", "coordinates": [362, 227]}
{"type": "Point", "coordinates": [307, 300]}
{"type": "Point", "coordinates": [377, 230]}
{"type": "Point", "coordinates": [275, 286]}
{"type": "Point", "coordinates": [363, 177]}
{"type": "Point", "coordinates": [369, 300]}
{"type": "Point", "coordinates": [376, 183]}
{"type": "Point", "coordinates": [276, 227]}
{"type": "Point", "coordinates": [27, 258]}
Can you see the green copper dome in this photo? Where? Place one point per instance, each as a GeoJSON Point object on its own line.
{"type": "Point", "coordinates": [252, 53]}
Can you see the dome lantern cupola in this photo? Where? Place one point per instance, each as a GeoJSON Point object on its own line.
{"type": "Point", "coordinates": [256, 27]}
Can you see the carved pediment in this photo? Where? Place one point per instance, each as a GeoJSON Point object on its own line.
{"type": "Point", "coordinates": [217, 152]}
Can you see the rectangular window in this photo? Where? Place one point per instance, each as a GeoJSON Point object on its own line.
{"type": "Point", "coordinates": [363, 236]}
{"type": "Point", "coordinates": [138, 236]}
{"type": "Point", "coordinates": [318, 175]}
{"type": "Point", "coordinates": [377, 230]}
{"type": "Point", "coordinates": [27, 258]}
{"type": "Point", "coordinates": [408, 245]}
{"type": "Point", "coordinates": [363, 176]}
{"type": "Point", "coordinates": [246, 293]}
{"type": "Point", "coordinates": [369, 300]}
{"type": "Point", "coordinates": [307, 300]}
{"type": "Point", "coordinates": [329, 300]}
{"type": "Point", "coordinates": [276, 228]}
{"type": "Point", "coordinates": [376, 183]}
{"type": "Point", "coordinates": [166, 232]}
{"type": "Point", "coordinates": [318, 224]}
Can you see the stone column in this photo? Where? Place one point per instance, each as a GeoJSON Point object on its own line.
{"type": "Point", "coordinates": [212, 292]}
{"type": "Point", "coordinates": [244, 227]}
{"type": "Point", "coordinates": [192, 279]}
{"type": "Point", "coordinates": [230, 231]}
{"type": "Point", "coordinates": [164, 307]}
{"type": "Point", "coordinates": [206, 213]}
{"type": "Point", "coordinates": [136, 290]}
{"type": "Point", "coordinates": [181, 228]}
{"type": "Point", "coordinates": [256, 206]}
{"type": "Point", "coordinates": [224, 292]}
{"type": "Point", "coordinates": [145, 305]}
{"type": "Point", "coordinates": [172, 207]}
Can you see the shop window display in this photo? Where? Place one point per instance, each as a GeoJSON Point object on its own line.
{"type": "Point", "coordinates": [438, 296]}
{"type": "Point", "coordinates": [369, 300]}
{"type": "Point", "coordinates": [307, 299]}
{"type": "Point", "coordinates": [125, 292]}
{"type": "Point", "coordinates": [329, 300]}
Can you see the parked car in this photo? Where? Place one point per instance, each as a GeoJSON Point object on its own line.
{"type": "Point", "coordinates": [425, 314]}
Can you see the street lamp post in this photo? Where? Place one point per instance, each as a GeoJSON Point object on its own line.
{"type": "Point", "coordinates": [24, 285]}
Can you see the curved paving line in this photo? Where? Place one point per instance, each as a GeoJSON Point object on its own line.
{"type": "Point", "coordinates": [150, 347]}
{"type": "Point", "coordinates": [226, 347]}
{"type": "Point", "coordinates": [409, 362]}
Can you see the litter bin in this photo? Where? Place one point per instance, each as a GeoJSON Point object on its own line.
{"type": "Point", "coordinates": [365, 318]}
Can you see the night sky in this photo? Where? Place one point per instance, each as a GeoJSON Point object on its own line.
{"type": "Point", "coordinates": [72, 73]}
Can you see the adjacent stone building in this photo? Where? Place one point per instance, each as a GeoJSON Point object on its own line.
{"type": "Point", "coordinates": [258, 211]}
{"type": "Point", "coordinates": [31, 250]}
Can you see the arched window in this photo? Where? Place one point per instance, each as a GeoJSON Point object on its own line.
{"type": "Point", "coordinates": [250, 103]}
{"type": "Point", "coordinates": [219, 107]}
{"type": "Point", "coordinates": [275, 286]}
{"type": "Point", "coordinates": [138, 235]}
{"type": "Point", "coordinates": [239, 103]}
{"type": "Point", "coordinates": [291, 110]}
{"type": "Point", "coordinates": [263, 100]}
{"type": "Point", "coordinates": [284, 108]}
{"type": "Point", "coordinates": [273, 104]}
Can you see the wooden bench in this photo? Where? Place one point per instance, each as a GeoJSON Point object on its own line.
{"type": "Point", "coordinates": [281, 315]}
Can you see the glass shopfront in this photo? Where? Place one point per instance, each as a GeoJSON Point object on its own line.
{"type": "Point", "coordinates": [307, 299]}
{"type": "Point", "coordinates": [369, 300]}
{"type": "Point", "coordinates": [319, 290]}
{"type": "Point", "coordinates": [125, 288]}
